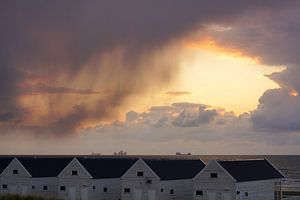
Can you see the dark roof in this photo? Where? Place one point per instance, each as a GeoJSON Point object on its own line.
{"type": "Point", "coordinates": [173, 169]}
{"type": "Point", "coordinates": [251, 170]}
{"type": "Point", "coordinates": [44, 166]}
{"type": "Point", "coordinates": [4, 162]}
{"type": "Point", "coordinates": [106, 167]}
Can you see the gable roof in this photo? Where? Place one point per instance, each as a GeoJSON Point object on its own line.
{"type": "Point", "coordinates": [44, 166]}
{"type": "Point", "coordinates": [106, 167]}
{"type": "Point", "coordinates": [251, 170]}
{"type": "Point", "coordinates": [173, 169]}
{"type": "Point", "coordinates": [4, 162]}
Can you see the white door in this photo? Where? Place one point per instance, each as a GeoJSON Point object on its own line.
{"type": "Point", "coordinates": [12, 189]}
{"type": "Point", "coordinates": [24, 190]}
{"type": "Point", "coordinates": [226, 196]}
{"type": "Point", "coordinates": [84, 193]}
{"type": "Point", "coordinates": [151, 195]}
{"type": "Point", "coordinates": [137, 194]}
{"type": "Point", "coordinates": [211, 195]}
{"type": "Point", "coordinates": [72, 193]}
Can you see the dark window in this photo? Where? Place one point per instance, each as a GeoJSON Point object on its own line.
{"type": "Point", "coordinates": [199, 193]}
{"type": "Point", "coordinates": [161, 190]}
{"type": "Point", "coordinates": [140, 173]}
{"type": "Point", "coordinates": [246, 194]}
{"type": "Point", "coordinates": [126, 190]}
{"type": "Point", "coordinates": [238, 192]}
{"type": "Point", "coordinates": [33, 187]}
{"type": "Point", "coordinates": [171, 191]}
{"type": "Point", "coordinates": [213, 175]}
{"type": "Point", "coordinates": [4, 186]}
{"type": "Point", "coordinates": [149, 181]}
{"type": "Point", "coordinates": [15, 171]}
{"type": "Point", "coordinates": [62, 188]}
{"type": "Point", "coordinates": [45, 187]}
{"type": "Point", "coordinates": [105, 189]}
{"type": "Point", "coordinates": [94, 187]}
{"type": "Point", "coordinates": [74, 172]}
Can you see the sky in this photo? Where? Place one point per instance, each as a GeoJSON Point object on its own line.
{"type": "Point", "coordinates": [150, 77]}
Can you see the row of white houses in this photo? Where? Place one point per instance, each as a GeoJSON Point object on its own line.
{"type": "Point", "coordinates": [124, 178]}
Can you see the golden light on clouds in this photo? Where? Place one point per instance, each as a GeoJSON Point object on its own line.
{"type": "Point", "coordinates": [221, 76]}
{"type": "Point", "coordinates": [294, 93]}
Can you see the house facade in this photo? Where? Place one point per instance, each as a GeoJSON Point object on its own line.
{"type": "Point", "coordinates": [160, 179]}
{"type": "Point", "coordinates": [236, 180]}
{"type": "Point", "coordinates": [88, 178]}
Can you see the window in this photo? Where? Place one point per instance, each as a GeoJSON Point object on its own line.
{"type": "Point", "coordinates": [45, 187]}
{"type": "Point", "coordinates": [246, 194]}
{"type": "Point", "coordinates": [105, 189]}
{"type": "Point", "coordinates": [4, 186]}
{"type": "Point", "coordinates": [74, 172]}
{"type": "Point", "coordinates": [161, 190]}
{"type": "Point", "coordinates": [140, 173]}
{"type": "Point", "coordinates": [149, 181]}
{"type": "Point", "coordinates": [15, 171]}
{"type": "Point", "coordinates": [199, 193]}
{"type": "Point", "coordinates": [33, 187]}
{"type": "Point", "coordinates": [172, 191]}
{"type": "Point", "coordinates": [213, 175]}
{"type": "Point", "coordinates": [62, 188]}
{"type": "Point", "coordinates": [126, 190]}
{"type": "Point", "coordinates": [94, 187]}
{"type": "Point", "coordinates": [238, 192]}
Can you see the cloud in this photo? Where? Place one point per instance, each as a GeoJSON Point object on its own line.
{"type": "Point", "coordinates": [178, 93]}
{"type": "Point", "coordinates": [45, 89]}
{"type": "Point", "coordinates": [123, 47]}
{"type": "Point", "coordinates": [181, 114]}
{"type": "Point", "coordinates": [277, 110]}
{"type": "Point", "coordinates": [272, 39]}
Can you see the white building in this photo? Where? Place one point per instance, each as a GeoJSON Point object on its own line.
{"type": "Point", "coordinates": [236, 180]}
{"type": "Point", "coordinates": [160, 179]}
{"type": "Point", "coordinates": [32, 176]}
{"type": "Point", "coordinates": [4, 162]}
{"type": "Point", "coordinates": [88, 178]}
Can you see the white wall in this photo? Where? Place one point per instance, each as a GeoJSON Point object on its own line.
{"type": "Point", "coordinates": [39, 183]}
{"type": "Point", "coordinates": [15, 182]}
{"type": "Point", "coordinates": [132, 181]}
{"type": "Point", "coordinates": [223, 184]}
{"type": "Point", "coordinates": [257, 190]}
{"type": "Point", "coordinates": [183, 190]}
{"type": "Point", "coordinates": [84, 180]}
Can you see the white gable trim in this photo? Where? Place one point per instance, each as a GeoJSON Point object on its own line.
{"type": "Point", "coordinates": [76, 161]}
{"type": "Point", "coordinates": [214, 161]}
{"type": "Point", "coordinates": [143, 162]}
{"type": "Point", "coordinates": [6, 167]}
{"type": "Point", "coordinates": [275, 168]}
{"type": "Point", "coordinates": [16, 160]}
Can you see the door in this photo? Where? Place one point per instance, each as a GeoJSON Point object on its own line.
{"type": "Point", "coordinates": [211, 195]}
{"type": "Point", "coordinates": [72, 193]}
{"type": "Point", "coordinates": [24, 190]}
{"type": "Point", "coordinates": [151, 195]}
{"type": "Point", "coordinates": [137, 194]}
{"type": "Point", "coordinates": [226, 196]}
{"type": "Point", "coordinates": [84, 193]}
{"type": "Point", "coordinates": [12, 189]}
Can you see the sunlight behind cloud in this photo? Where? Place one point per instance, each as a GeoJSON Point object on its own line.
{"type": "Point", "coordinates": [222, 77]}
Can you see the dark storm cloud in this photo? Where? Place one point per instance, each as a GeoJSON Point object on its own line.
{"type": "Point", "coordinates": [42, 40]}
